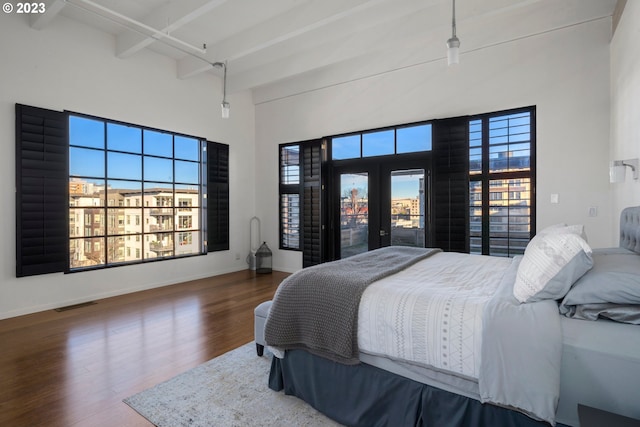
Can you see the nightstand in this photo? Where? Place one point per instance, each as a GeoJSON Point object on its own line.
{"type": "Point", "coordinates": [592, 417]}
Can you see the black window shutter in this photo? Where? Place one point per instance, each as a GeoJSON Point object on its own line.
{"type": "Point", "coordinates": [41, 191]}
{"type": "Point", "coordinates": [217, 197]}
{"type": "Point", "coordinates": [451, 184]}
{"type": "Point", "coordinates": [311, 203]}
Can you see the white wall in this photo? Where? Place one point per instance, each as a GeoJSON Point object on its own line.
{"type": "Point", "coordinates": [625, 104]}
{"type": "Point", "coordinates": [564, 73]}
{"type": "Point", "coordinates": [68, 66]}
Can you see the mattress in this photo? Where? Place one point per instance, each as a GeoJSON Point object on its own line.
{"type": "Point", "coordinates": [600, 368]}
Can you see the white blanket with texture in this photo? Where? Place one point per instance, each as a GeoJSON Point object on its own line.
{"type": "Point", "coordinates": [431, 314]}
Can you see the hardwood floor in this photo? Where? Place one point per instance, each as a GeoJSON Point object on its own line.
{"type": "Point", "coordinates": [73, 368]}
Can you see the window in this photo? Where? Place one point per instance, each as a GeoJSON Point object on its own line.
{"type": "Point", "coordinates": [290, 220]}
{"type": "Point", "coordinates": [290, 196]}
{"type": "Point", "coordinates": [396, 140]}
{"type": "Point", "coordinates": [482, 175]}
{"type": "Point", "coordinates": [378, 143]}
{"type": "Point", "coordinates": [185, 239]}
{"type": "Point", "coordinates": [302, 206]}
{"type": "Point", "coordinates": [300, 199]}
{"type": "Point", "coordinates": [411, 139]}
{"type": "Point", "coordinates": [502, 179]}
{"type": "Point", "coordinates": [184, 205]}
{"type": "Point", "coordinates": [76, 176]}
{"type": "Point", "coordinates": [346, 147]}
{"type": "Point", "coordinates": [185, 221]}
{"type": "Point", "coordinates": [131, 163]}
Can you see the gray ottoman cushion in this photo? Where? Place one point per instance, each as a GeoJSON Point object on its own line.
{"type": "Point", "coordinates": [260, 318]}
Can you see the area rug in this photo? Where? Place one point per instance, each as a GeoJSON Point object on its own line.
{"type": "Point", "coordinates": [230, 390]}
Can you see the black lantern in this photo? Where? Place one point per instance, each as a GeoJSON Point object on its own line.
{"type": "Point", "coordinates": [263, 259]}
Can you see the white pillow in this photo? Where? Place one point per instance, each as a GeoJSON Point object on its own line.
{"type": "Point", "coordinates": [563, 228]}
{"type": "Point", "coordinates": [552, 262]}
{"type": "Point", "coordinates": [551, 228]}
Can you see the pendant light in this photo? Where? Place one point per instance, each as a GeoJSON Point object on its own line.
{"type": "Point", "coordinates": [453, 44]}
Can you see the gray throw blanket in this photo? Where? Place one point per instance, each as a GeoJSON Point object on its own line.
{"type": "Point", "coordinates": [316, 308]}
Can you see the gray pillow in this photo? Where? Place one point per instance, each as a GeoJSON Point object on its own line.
{"type": "Point", "coordinates": [625, 313]}
{"type": "Point", "coordinates": [614, 278]}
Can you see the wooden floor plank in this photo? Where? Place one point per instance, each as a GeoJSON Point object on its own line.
{"type": "Point", "coordinates": [73, 368]}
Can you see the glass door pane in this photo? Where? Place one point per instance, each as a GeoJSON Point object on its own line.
{"type": "Point", "coordinates": [354, 213]}
{"type": "Point", "coordinates": [408, 208]}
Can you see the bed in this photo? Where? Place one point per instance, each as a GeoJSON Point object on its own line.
{"type": "Point", "coordinates": [423, 337]}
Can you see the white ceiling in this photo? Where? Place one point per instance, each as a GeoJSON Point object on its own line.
{"type": "Point", "coordinates": [270, 42]}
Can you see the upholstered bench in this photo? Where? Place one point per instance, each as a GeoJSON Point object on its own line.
{"type": "Point", "coordinates": [260, 318]}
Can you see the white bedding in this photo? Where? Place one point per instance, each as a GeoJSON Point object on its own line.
{"type": "Point", "coordinates": [456, 313]}
{"type": "Point", "coordinates": [431, 313]}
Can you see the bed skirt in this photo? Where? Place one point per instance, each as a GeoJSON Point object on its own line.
{"type": "Point", "coordinates": [363, 395]}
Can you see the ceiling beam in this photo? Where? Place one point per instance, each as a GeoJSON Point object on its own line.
{"type": "Point", "coordinates": [183, 12]}
{"type": "Point", "coordinates": [331, 53]}
{"type": "Point", "coordinates": [232, 49]}
{"type": "Point", "coordinates": [38, 21]}
{"type": "Point", "coordinates": [387, 25]}
{"type": "Point", "coordinates": [294, 23]}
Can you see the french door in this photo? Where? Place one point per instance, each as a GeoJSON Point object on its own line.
{"type": "Point", "coordinates": [380, 203]}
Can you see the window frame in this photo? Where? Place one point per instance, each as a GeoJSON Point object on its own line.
{"type": "Point", "coordinates": [489, 179]}
{"type": "Point", "coordinates": [285, 190]}
{"type": "Point", "coordinates": [304, 188]}
{"type": "Point", "coordinates": [442, 130]}
{"type": "Point", "coordinates": [135, 209]}
{"type": "Point", "coordinates": [394, 150]}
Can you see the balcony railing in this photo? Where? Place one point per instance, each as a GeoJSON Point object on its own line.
{"type": "Point", "coordinates": [160, 247]}
{"type": "Point", "coordinates": [161, 211]}
{"type": "Point", "coordinates": [160, 227]}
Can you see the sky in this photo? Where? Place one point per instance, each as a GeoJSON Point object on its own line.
{"type": "Point", "coordinates": [139, 153]}
{"type": "Point", "coordinates": [408, 139]}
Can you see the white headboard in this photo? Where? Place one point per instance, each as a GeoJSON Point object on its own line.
{"type": "Point", "coordinates": [630, 229]}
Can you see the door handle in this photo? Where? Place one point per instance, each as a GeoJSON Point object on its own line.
{"type": "Point", "coordinates": [383, 233]}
